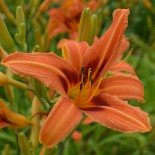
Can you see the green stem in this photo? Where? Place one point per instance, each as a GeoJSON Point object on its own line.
{"type": "Point", "coordinates": [18, 84]}
{"type": "Point", "coordinates": [139, 61]}
{"type": "Point", "coordinates": [143, 46]}
{"type": "Point", "coordinates": [42, 101]}
{"type": "Point", "coordinates": [60, 148]}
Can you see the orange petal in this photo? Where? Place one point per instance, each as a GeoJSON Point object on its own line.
{"type": "Point", "coordinates": [3, 124]}
{"type": "Point", "coordinates": [73, 52]}
{"type": "Point", "coordinates": [57, 14]}
{"type": "Point", "coordinates": [123, 47]}
{"type": "Point", "coordinates": [57, 23]}
{"type": "Point", "coordinates": [115, 56]}
{"type": "Point", "coordinates": [61, 120]}
{"type": "Point", "coordinates": [124, 87]}
{"type": "Point", "coordinates": [98, 54]}
{"type": "Point", "coordinates": [118, 115]}
{"type": "Point", "coordinates": [50, 69]}
{"type": "Point", "coordinates": [122, 67]}
{"type": "Point", "coordinates": [54, 28]}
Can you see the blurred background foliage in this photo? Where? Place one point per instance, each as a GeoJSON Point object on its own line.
{"type": "Point", "coordinates": [96, 139]}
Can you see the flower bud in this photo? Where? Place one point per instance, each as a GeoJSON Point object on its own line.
{"type": "Point", "coordinates": [87, 27]}
{"type": "Point", "coordinates": [5, 37]}
{"type": "Point", "coordinates": [6, 150]}
{"type": "Point", "coordinates": [23, 144]}
{"type": "Point", "coordinates": [35, 122]}
{"type": "Point", "coordinates": [12, 119]}
{"type": "Point", "coordinates": [20, 36]}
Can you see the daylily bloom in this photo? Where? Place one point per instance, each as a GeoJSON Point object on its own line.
{"type": "Point", "coordinates": [67, 18]}
{"type": "Point", "coordinates": [11, 119]}
{"type": "Point", "coordinates": [81, 78]}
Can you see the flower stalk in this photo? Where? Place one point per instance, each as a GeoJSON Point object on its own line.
{"type": "Point", "coordinates": [35, 123]}
{"type": "Point", "coordinates": [4, 80]}
{"type": "Point", "coordinates": [6, 150]}
{"type": "Point", "coordinates": [3, 53]}
{"type": "Point", "coordinates": [6, 11]}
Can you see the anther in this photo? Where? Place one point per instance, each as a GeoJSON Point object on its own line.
{"type": "Point", "coordinates": [82, 70]}
{"type": "Point", "coordinates": [81, 86]}
{"type": "Point", "coordinates": [84, 80]}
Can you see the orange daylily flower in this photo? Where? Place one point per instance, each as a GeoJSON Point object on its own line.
{"type": "Point", "coordinates": [9, 118]}
{"type": "Point", "coordinates": [85, 87]}
{"type": "Point", "coordinates": [67, 18]}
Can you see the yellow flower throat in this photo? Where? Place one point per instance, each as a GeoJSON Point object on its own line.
{"type": "Point", "coordinates": [85, 90]}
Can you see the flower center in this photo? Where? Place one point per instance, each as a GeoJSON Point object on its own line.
{"type": "Point", "coordinates": [85, 90]}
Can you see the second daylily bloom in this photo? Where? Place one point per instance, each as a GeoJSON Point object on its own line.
{"type": "Point", "coordinates": [67, 17]}
{"type": "Point", "coordinates": [85, 87]}
{"type": "Point", "coordinates": [11, 119]}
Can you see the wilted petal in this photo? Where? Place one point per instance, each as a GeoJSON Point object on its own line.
{"type": "Point", "coordinates": [9, 118]}
{"type": "Point", "coordinates": [122, 67]}
{"type": "Point", "coordinates": [118, 115]}
{"type": "Point", "coordinates": [2, 122]}
{"type": "Point", "coordinates": [98, 54]}
{"type": "Point", "coordinates": [123, 86]}
{"type": "Point", "coordinates": [61, 120]}
{"type": "Point", "coordinates": [50, 69]}
{"type": "Point", "coordinates": [73, 52]}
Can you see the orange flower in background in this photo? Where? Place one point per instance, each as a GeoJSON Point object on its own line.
{"type": "Point", "coordinates": [11, 119]}
{"type": "Point", "coordinates": [81, 78]}
{"type": "Point", "coordinates": [67, 18]}
{"type": "Point", "coordinates": [76, 136]}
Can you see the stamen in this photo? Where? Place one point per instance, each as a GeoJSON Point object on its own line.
{"type": "Point", "coordinates": [89, 73]}
{"type": "Point", "coordinates": [83, 78]}
{"type": "Point", "coordinates": [90, 78]}
{"type": "Point", "coordinates": [94, 92]}
{"type": "Point", "coordinates": [79, 95]}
